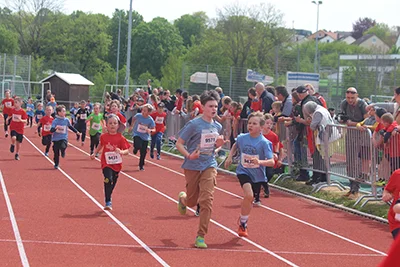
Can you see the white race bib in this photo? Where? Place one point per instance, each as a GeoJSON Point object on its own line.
{"type": "Point", "coordinates": [8, 104]}
{"type": "Point", "coordinates": [159, 120]}
{"type": "Point", "coordinates": [96, 126]}
{"type": "Point", "coordinates": [39, 116]}
{"type": "Point", "coordinates": [113, 158]}
{"type": "Point", "coordinates": [61, 129]}
{"type": "Point", "coordinates": [47, 127]}
{"type": "Point", "coordinates": [16, 117]}
{"type": "Point", "coordinates": [208, 139]}
{"type": "Point", "coordinates": [248, 162]}
{"type": "Point", "coordinates": [397, 217]}
{"type": "Point", "coordinates": [83, 116]}
{"type": "Point", "coordinates": [142, 128]}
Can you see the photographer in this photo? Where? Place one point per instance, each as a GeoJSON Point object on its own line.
{"type": "Point", "coordinates": [353, 111]}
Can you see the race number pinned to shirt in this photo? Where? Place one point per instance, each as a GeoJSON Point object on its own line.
{"type": "Point", "coordinates": [8, 104]}
{"type": "Point", "coordinates": [39, 116]}
{"type": "Point", "coordinates": [248, 161]}
{"type": "Point", "coordinates": [47, 127]}
{"type": "Point", "coordinates": [62, 129]}
{"type": "Point", "coordinates": [142, 128]}
{"type": "Point", "coordinates": [159, 120]}
{"type": "Point", "coordinates": [83, 116]}
{"type": "Point", "coordinates": [16, 117]}
{"type": "Point", "coordinates": [96, 126]}
{"type": "Point", "coordinates": [113, 158]}
{"type": "Point", "coordinates": [207, 141]}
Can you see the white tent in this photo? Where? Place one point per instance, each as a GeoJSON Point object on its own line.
{"type": "Point", "coordinates": [203, 77]}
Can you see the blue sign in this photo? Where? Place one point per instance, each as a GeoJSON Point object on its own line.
{"type": "Point", "coordinates": [254, 76]}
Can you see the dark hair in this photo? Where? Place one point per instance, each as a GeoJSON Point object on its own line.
{"type": "Point", "coordinates": [59, 108]}
{"type": "Point", "coordinates": [252, 91]}
{"type": "Point", "coordinates": [270, 89]}
{"type": "Point", "coordinates": [331, 109]}
{"type": "Point", "coordinates": [281, 90]}
{"type": "Point", "coordinates": [195, 97]}
{"type": "Point", "coordinates": [185, 94]}
{"type": "Point", "coordinates": [397, 90]}
{"type": "Point", "coordinates": [179, 91]}
{"type": "Point", "coordinates": [209, 95]}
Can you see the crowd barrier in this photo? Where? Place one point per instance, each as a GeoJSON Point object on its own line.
{"type": "Point", "coordinates": [338, 152]}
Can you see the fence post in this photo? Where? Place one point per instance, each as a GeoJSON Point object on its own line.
{"type": "Point", "coordinates": [326, 152]}
{"type": "Point", "coordinates": [276, 65]}
{"type": "Point", "coordinates": [230, 83]}
{"type": "Point", "coordinates": [338, 77]}
{"type": "Point", "coordinates": [376, 75]}
{"type": "Point", "coordinates": [207, 77]}
{"type": "Point", "coordinates": [29, 75]}
{"type": "Point", "coordinates": [14, 74]}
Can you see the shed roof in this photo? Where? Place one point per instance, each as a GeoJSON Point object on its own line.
{"type": "Point", "coordinates": [70, 78]}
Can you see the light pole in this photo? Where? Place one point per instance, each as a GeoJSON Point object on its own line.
{"type": "Point", "coordinates": [119, 37]}
{"type": "Point", "coordinates": [316, 37]}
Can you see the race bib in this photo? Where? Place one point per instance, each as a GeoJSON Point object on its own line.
{"type": "Point", "coordinates": [159, 120]}
{"type": "Point", "coordinates": [8, 104]}
{"type": "Point", "coordinates": [47, 127]}
{"type": "Point", "coordinates": [248, 162]}
{"type": "Point", "coordinates": [96, 126]}
{"type": "Point", "coordinates": [83, 117]}
{"type": "Point", "coordinates": [397, 217]}
{"type": "Point", "coordinates": [39, 116]}
{"type": "Point", "coordinates": [61, 129]}
{"type": "Point", "coordinates": [142, 128]}
{"type": "Point", "coordinates": [207, 140]}
{"type": "Point", "coordinates": [113, 158]}
{"type": "Point", "coordinates": [16, 117]}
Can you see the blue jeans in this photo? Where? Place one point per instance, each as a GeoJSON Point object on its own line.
{"type": "Point", "coordinates": [156, 140]}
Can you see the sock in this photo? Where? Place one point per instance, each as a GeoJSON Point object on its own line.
{"type": "Point", "coordinates": [244, 219]}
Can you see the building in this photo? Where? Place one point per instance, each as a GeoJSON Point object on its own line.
{"type": "Point", "coordinates": [68, 87]}
{"type": "Point", "coordinates": [324, 36]}
{"type": "Point", "coordinates": [373, 43]}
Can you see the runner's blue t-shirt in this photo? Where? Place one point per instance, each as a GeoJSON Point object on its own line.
{"type": "Point", "coordinates": [201, 134]}
{"type": "Point", "coordinates": [141, 126]}
{"type": "Point", "coordinates": [62, 133]}
{"type": "Point", "coordinates": [250, 147]}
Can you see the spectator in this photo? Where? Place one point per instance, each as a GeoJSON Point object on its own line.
{"type": "Point", "coordinates": [149, 88]}
{"type": "Point", "coordinates": [332, 112]}
{"type": "Point", "coordinates": [287, 103]}
{"type": "Point", "coordinates": [397, 110]}
{"type": "Point", "coordinates": [166, 99]}
{"type": "Point", "coordinates": [221, 95]}
{"type": "Point", "coordinates": [353, 111]}
{"type": "Point", "coordinates": [265, 97]}
{"type": "Point", "coordinates": [316, 94]}
{"type": "Point", "coordinates": [179, 100]}
{"type": "Point", "coordinates": [48, 96]}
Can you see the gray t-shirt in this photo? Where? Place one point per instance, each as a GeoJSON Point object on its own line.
{"type": "Point", "coordinates": [356, 113]}
{"type": "Point", "coordinates": [199, 134]}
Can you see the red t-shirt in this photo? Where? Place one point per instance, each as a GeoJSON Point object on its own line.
{"type": "Point", "coordinates": [393, 256]}
{"type": "Point", "coordinates": [46, 122]}
{"type": "Point", "coordinates": [179, 103]}
{"type": "Point", "coordinates": [159, 120]}
{"type": "Point", "coordinates": [109, 158]}
{"type": "Point", "coordinates": [274, 139]}
{"type": "Point", "coordinates": [256, 105]}
{"type": "Point", "coordinates": [121, 117]}
{"type": "Point", "coordinates": [7, 105]}
{"type": "Point", "coordinates": [393, 187]}
{"type": "Point", "coordinates": [379, 127]}
{"type": "Point", "coordinates": [18, 126]}
{"type": "Point", "coordinates": [197, 105]}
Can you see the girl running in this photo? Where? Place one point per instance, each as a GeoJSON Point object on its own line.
{"type": "Point", "coordinates": [46, 123]}
{"type": "Point", "coordinates": [96, 122]}
{"type": "Point", "coordinates": [39, 114]}
{"type": "Point", "coordinates": [29, 111]}
{"type": "Point", "coordinates": [7, 105]}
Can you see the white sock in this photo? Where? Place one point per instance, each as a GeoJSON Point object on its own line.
{"type": "Point", "coordinates": [244, 219]}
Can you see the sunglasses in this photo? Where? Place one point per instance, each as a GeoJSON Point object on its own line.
{"type": "Point", "coordinates": [351, 92]}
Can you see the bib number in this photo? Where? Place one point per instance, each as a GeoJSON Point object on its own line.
{"type": "Point", "coordinates": [248, 162]}
{"type": "Point", "coordinates": [83, 117]}
{"type": "Point", "coordinates": [62, 130]}
{"type": "Point", "coordinates": [39, 116]}
{"type": "Point", "coordinates": [159, 120]}
{"type": "Point", "coordinates": [16, 117]}
{"type": "Point", "coordinates": [113, 158]}
{"type": "Point", "coordinates": [142, 128]}
{"type": "Point", "coordinates": [8, 104]}
{"type": "Point", "coordinates": [208, 140]}
{"type": "Point", "coordinates": [96, 126]}
{"type": "Point", "coordinates": [47, 127]}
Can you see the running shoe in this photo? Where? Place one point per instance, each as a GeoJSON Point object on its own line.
{"type": "Point", "coordinates": [108, 206]}
{"type": "Point", "coordinates": [242, 231]}
{"type": "Point", "coordinates": [199, 243]}
{"type": "Point", "coordinates": [56, 167]}
{"type": "Point", "coordinates": [158, 157]}
{"type": "Point", "coordinates": [16, 157]}
{"type": "Point", "coordinates": [257, 202]}
{"type": "Point", "coordinates": [46, 154]}
{"type": "Point", "coordinates": [141, 168]}
{"type": "Point", "coordinates": [12, 147]}
{"type": "Point", "coordinates": [197, 213]}
{"type": "Point", "coordinates": [152, 155]}
{"type": "Point", "coordinates": [63, 154]}
{"type": "Point", "coordinates": [381, 182]}
{"type": "Point", "coordinates": [181, 207]}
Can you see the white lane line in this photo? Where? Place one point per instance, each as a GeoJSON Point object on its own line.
{"type": "Point", "coordinates": [18, 239]}
{"type": "Point", "coordinates": [120, 224]}
{"type": "Point", "coordinates": [280, 213]}
{"type": "Point", "coordinates": [215, 222]}
{"type": "Point", "coordinates": [191, 249]}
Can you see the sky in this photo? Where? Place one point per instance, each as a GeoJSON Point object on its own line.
{"type": "Point", "coordinates": [335, 15]}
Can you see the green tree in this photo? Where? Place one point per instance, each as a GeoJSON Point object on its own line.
{"type": "Point", "coordinates": [172, 71]}
{"type": "Point", "coordinates": [361, 26]}
{"type": "Point", "coordinates": [8, 41]}
{"type": "Point", "coordinates": [382, 31]}
{"type": "Point", "coordinates": [192, 27]}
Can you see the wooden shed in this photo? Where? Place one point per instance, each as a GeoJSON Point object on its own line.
{"type": "Point", "coordinates": [68, 87]}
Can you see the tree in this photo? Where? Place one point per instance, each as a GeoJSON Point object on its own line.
{"type": "Point", "coordinates": [172, 71]}
{"type": "Point", "coordinates": [192, 27]}
{"type": "Point", "coordinates": [361, 26]}
{"type": "Point", "coordinates": [382, 31]}
{"type": "Point", "coordinates": [8, 41]}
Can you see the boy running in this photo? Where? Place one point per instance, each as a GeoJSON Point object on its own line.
{"type": "Point", "coordinates": [60, 134]}
{"type": "Point", "coordinates": [45, 123]}
{"type": "Point", "coordinates": [255, 154]}
{"type": "Point", "coordinates": [81, 115]}
{"type": "Point", "coordinates": [39, 114]}
{"type": "Point", "coordinates": [159, 118]}
{"type": "Point", "coordinates": [17, 121]}
{"type": "Point", "coordinates": [201, 136]}
{"type": "Point", "coordinates": [7, 105]}
{"type": "Point", "coordinates": [29, 111]}
{"type": "Point", "coordinates": [113, 144]}
{"type": "Point", "coordinates": [96, 122]}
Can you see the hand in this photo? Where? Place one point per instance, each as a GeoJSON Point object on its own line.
{"type": "Point", "coordinates": [275, 157]}
{"type": "Point", "coordinates": [288, 123]}
{"type": "Point", "coordinates": [298, 119]}
{"type": "Point", "coordinates": [281, 119]}
{"type": "Point", "coordinates": [194, 155]}
{"type": "Point", "coordinates": [220, 141]}
{"type": "Point", "coordinates": [92, 157]}
{"type": "Point", "coordinates": [361, 128]}
{"type": "Point", "coordinates": [278, 163]}
{"type": "Point", "coordinates": [349, 122]}
{"type": "Point", "coordinates": [255, 161]}
{"type": "Point", "coordinates": [148, 131]}
{"type": "Point", "coordinates": [117, 150]}
{"type": "Point", "coordinates": [386, 196]}
{"type": "Point", "coordinates": [228, 162]}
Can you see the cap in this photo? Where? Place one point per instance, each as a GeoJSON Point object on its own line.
{"type": "Point", "coordinates": [301, 89]}
{"type": "Point", "coordinates": [121, 127]}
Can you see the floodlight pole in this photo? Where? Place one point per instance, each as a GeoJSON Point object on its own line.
{"type": "Point", "coordinates": [316, 37]}
{"type": "Point", "coordinates": [128, 55]}
{"type": "Point", "coordinates": [119, 37]}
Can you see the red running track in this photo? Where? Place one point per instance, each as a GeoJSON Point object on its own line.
{"type": "Point", "coordinates": [59, 216]}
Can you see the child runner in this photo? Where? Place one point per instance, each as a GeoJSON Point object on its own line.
{"type": "Point", "coordinates": [201, 136]}
{"type": "Point", "coordinates": [60, 134]}
{"type": "Point", "coordinates": [159, 118]}
{"type": "Point", "coordinates": [142, 125]}
{"type": "Point", "coordinates": [29, 111]}
{"type": "Point", "coordinates": [53, 104]}
{"type": "Point", "coordinates": [113, 144]}
{"type": "Point", "coordinates": [73, 111]}
{"type": "Point", "coordinates": [39, 113]}
{"type": "Point", "coordinates": [255, 154]}
{"type": "Point", "coordinates": [81, 115]}
{"type": "Point", "coordinates": [8, 105]}
{"type": "Point", "coordinates": [391, 193]}
{"type": "Point", "coordinates": [46, 123]}
{"type": "Point", "coordinates": [115, 109]}
{"type": "Point", "coordinates": [96, 122]}
{"type": "Point", "coordinates": [17, 121]}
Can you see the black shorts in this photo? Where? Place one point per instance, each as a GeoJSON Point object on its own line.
{"type": "Point", "coordinates": [46, 140]}
{"type": "Point", "coordinates": [19, 136]}
{"type": "Point", "coordinates": [109, 175]}
{"type": "Point", "coordinates": [244, 179]}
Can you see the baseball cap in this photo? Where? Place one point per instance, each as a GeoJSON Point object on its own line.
{"type": "Point", "coordinates": [301, 89]}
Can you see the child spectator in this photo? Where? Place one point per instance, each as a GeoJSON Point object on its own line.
{"type": "Point", "coordinates": [391, 143]}
{"type": "Point", "coordinates": [17, 121]}
{"type": "Point", "coordinates": [7, 105]}
{"type": "Point", "coordinates": [235, 109]}
{"type": "Point", "coordinates": [113, 144]}
{"type": "Point", "coordinates": [81, 116]}
{"type": "Point", "coordinates": [159, 118]}
{"type": "Point", "coordinates": [39, 114]}
{"type": "Point", "coordinates": [197, 108]}
{"type": "Point", "coordinates": [96, 122]}
{"type": "Point", "coordinates": [60, 134]}
{"type": "Point", "coordinates": [179, 101]}
{"type": "Point", "coordinates": [45, 123]}
{"type": "Point", "coordinates": [256, 104]}
{"type": "Point", "coordinates": [142, 125]}
{"type": "Point", "coordinates": [29, 111]}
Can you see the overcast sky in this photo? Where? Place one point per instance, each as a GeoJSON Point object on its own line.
{"type": "Point", "coordinates": [334, 14]}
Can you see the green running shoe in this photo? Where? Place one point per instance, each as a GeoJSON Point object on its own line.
{"type": "Point", "coordinates": [181, 207]}
{"type": "Point", "coordinates": [200, 242]}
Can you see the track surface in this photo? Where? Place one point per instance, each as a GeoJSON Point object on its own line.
{"type": "Point", "coordinates": [58, 215]}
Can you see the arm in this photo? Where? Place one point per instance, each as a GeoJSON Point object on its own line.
{"type": "Point", "coordinates": [228, 160]}
{"type": "Point", "coordinates": [316, 120]}
{"type": "Point", "coordinates": [181, 148]}
{"type": "Point", "coordinates": [96, 150]}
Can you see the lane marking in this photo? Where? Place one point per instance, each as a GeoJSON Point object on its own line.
{"type": "Point", "coordinates": [120, 224]}
{"type": "Point", "coordinates": [215, 222]}
{"type": "Point", "coordinates": [18, 239]}
{"type": "Point", "coordinates": [278, 212]}
{"type": "Point", "coordinates": [191, 249]}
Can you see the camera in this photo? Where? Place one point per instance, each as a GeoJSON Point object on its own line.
{"type": "Point", "coordinates": [342, 117]}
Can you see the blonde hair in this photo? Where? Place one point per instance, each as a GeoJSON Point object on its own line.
{"type": "Point", "coordinates": [277, 104]}
{"type": "Point", "coordinates": [148, 106]}
{"type": "Point", "coordinates": [268, 116]}
{"type": "Point", "coordinates": [258, 114]}
{"type": "Point", "coordinates": [388, 118]}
